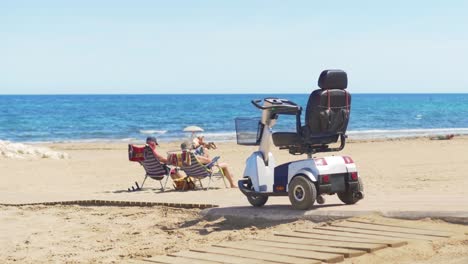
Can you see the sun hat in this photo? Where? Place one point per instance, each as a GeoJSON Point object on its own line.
{"type": "Point", "coordinates": [151, 139]}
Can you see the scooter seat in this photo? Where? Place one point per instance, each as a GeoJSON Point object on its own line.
{"type": "Point", "coordinates": [283, 139]}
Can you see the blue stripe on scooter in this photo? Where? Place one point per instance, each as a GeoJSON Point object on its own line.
{"type": "Point", "coordinates": [281, 178]}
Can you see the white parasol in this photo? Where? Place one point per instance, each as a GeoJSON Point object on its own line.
{"type": "Point", "coordinates": [193, 129]}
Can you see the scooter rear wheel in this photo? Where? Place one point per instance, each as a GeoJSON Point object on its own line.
{"type": "Point", "coordinates": [302, 193]}
{"type": "Point", "coordinates": [349, 197]}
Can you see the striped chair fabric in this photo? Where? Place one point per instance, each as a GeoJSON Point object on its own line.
{"type": "Point", "coordinates": [196, 169]}
{"type": "Point", "coordinates": [154, 169]}
{"type": "Point", "coordinates": [200, 171]}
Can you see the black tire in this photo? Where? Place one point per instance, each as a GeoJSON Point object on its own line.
{"type": "Point", "coordinates": [348, 197]}
{"type": "Point", "coordinates": [257, 201]}
{"type": "Point", "coordinates": [302, 193]}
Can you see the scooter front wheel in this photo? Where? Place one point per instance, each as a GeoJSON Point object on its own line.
{"type": "Point", "coordinates": [302, 193]}
{"type": "Point", "coordinates": [257, 201]}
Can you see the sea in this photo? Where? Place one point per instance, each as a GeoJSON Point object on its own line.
{"type": "Point", "coordinates": [131, 118]}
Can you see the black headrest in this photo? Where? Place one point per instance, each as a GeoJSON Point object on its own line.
{"type": "Point", "coordinates": [333, 79]}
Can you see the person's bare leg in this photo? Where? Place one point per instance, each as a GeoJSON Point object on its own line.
{"type": "Point", "coordinates": [228, 174]}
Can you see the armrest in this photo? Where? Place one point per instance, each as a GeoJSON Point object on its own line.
{"type": "Point", "coordinates": [213, 162]}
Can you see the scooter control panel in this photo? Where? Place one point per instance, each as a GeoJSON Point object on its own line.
{"type": "Point", "coordinates": [280, 102]}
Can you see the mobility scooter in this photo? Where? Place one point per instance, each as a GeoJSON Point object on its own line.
{"type": "Point", "coordinates": [304, 181]}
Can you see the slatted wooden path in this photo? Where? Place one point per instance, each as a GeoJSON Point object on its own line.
{"type": "Point", "coordinates": [330, 243]}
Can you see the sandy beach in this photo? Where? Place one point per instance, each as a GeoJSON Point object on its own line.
{"type": "Point", "coordinates": [83, 80]}
{"type": "Point", "coordinates": [403, 174]}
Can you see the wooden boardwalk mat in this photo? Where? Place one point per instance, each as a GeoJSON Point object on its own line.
{"type": "Point", "coordinates": [350, 230]}
{"type": "Point", "coordinates": [407, 227]}
{"type": "Point", "coordinates": [346, 234]}
{"type": "Point", "coordinates": [406, 230]}
{"type": "Point", "coordinates": [179, 260]}
{"type": "Point", "coordinates": [350, 245]}
{"type": "Point", "coordinates": [299, 253]}
{"type": "Point", "coordinates": [305, 234]}
{"type": "Point", "coordinates": [217, 257]}
{"type": "Point", "coordinates": [385, 230]}
{"type": "Point", "coordinates": [347, 253]}
{"type": "Point", "coordinates": [406, 223]}
{"type": "Point", "coordinates": [276, 258]}
{"type": "Point", "coordinates": [322, 244]}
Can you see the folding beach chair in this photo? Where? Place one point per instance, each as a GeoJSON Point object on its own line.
{"type": "Point", "coordinates": [153, 167]}
{"type": "Point", "coordinates": [199, 171]}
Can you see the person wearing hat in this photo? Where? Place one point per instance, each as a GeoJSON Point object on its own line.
{"type": "Point", "coordinates": [205, 160]}
{"type": "Point", "coordinates": [152, 142]}
{"type": "Point", "coordinates": [199, 141]}
{"type": "Point", "coordinates": [199, 146]}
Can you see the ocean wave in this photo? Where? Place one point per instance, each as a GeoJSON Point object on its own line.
{"type": "Point", "coordinates": [402, 133]}
{"type": "Point", "coordinates": [151, 131]}
{"type": "Point", "coordinates": [221, 136]}
{"type": "Point", "coordinates": [230, 136]}
{"type": "Point", "coordinates": [128, 139]}
{"type": "Point", "coordinates": [22, 151]}
{"type": "Point", "coordinates": [226, 136]}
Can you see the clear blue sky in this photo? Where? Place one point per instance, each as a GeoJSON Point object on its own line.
{"type": "Point", "coordinates": [237, 46]}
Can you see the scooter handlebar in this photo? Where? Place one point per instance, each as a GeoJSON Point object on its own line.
{"type": "Point", "coordinates": [255, 103]}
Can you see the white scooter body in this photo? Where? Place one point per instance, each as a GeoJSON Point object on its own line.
{"type": "Point", "coordinates": [263, 176]}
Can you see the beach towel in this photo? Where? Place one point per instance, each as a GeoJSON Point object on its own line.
{"type": "Point", "coordinates": [179, 159]}
{"type": "Point", "coordinates": [136, 153]}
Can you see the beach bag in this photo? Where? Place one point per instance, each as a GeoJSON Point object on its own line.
{"type": "Point", "coordinates": [135, 153]}
{"type": "Point", "coordinates": [184, 184]}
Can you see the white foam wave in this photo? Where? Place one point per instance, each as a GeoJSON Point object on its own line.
{"type": "Point", "coordinates": [402, 133]}
{"type": "Point", "coordinates": [230, 136]}
{"type": "Point", "coordinates": [128, 139]}
{"type": "Point", "coordinates": [22, 151]}
{"type": "Point", "coordinates": [222, 136]}
{"type": "Point", "coordinates": [151, 131]}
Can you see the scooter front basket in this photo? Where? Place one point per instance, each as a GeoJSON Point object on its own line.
{"type": "Point", "coordinates": [248, 131]}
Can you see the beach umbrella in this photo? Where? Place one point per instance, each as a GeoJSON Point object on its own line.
{"type": "Point", "coordinates": [193, 129]}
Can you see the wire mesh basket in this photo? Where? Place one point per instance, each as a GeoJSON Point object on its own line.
{"type": "Point", "coordinates": [248, 131]}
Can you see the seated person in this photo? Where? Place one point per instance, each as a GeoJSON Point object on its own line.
{"type": "Point", "coordinates": [443, 137]}
{"type": "Point", "coordinates": [199, 144]}
{"type": "Point", "coordinates": [152, 143]}
{"type": "Point", "coordinates": [205, 160]}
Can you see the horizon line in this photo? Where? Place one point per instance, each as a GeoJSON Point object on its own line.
{"type": "Point", "coordinates": [276, 93]}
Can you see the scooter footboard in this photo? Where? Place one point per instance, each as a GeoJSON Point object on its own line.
{"type": "Point", "coordinates": [245, 186]}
